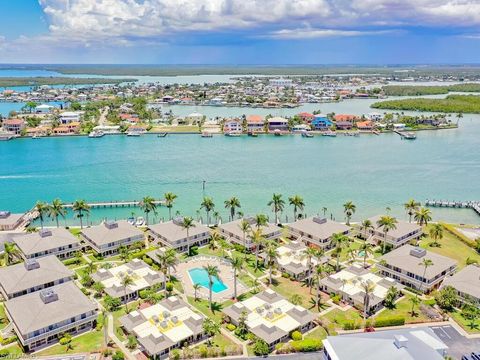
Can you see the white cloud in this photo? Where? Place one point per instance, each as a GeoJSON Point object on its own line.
{"type": "Point", "coordinates": [309, 33]}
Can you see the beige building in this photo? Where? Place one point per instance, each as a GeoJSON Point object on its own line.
{"type": "Point", "coordinates": [231, 232]}
{"type": "Point", "coordinates": [467, 283]}
{"type": "Point", "coordinates": [316, 230]}
{"type": "Point", "coordinates": [402, 234]}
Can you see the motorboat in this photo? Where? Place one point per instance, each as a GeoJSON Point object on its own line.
{"type": "Point", "coordinates": [96, 134]}
{"type": "Point", "coordinates": [133, 133]}
{"type": "Point", "coordinates": [330, 133]}
{"type": "Point", "coordinates": [306, 134]}
{"type": "Point", "coordinates": [207, 134]}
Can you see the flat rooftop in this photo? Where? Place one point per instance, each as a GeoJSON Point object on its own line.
{"type": "Point", "coordinates": [466, 281]}
{"type": "Point", "coordinates": [111, 231]}
{"type": "Point", "coordinates": [172, 231]}
{"type": "Point", "coordinates": [318, 227]}
{"type": "Point", "coordinates": [233, 227]}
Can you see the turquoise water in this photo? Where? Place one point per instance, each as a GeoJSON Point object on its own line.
{"type": "Point", "coordinates": [200, 276]}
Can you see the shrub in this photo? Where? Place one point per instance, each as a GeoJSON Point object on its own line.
{"type": "Point", "coordinates": [350, 325]}
{"type": "Point", "coordinates": [390, 321]}
{"type": "Point", "coordinates": [175, 354]}
{"type": "Point", "coordinates": [143, 294]}
{"type": "Point", "coordinates": [147, 260]}
{"type": "Point", "coordinates": [9, 340]}
{"type": "Point", "coordinates": [169, 287]}
{"type": "Point", "coordinates": [335, 298]}
{"type": "Point", "coordinates": [72, 261]}
{"type": "Point", "coordinates": [203, 351]}
{"type": "Point", "coordinates": [4, 353]}
{"type": "Point", "coordinates": [285, 275]}
{"type": "Point", "coordinates": [118, 355]}
{"type": "Point", "coordinates": [231, 327]}
{"type": "Point", "coordinates": [260, 348]}
{"type": "Point", "coordinates": [296, 335]}
{"type": "Point", "coordinates": [132, 342]}
{"type": "Point", "coordinates": [307, 345]}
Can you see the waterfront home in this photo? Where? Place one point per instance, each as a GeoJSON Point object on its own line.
{"type": "Point", "coordinates": [399, 127]}
{"type": "Point", "coordinates": [271, 317]}
{"type": "Point", "coordinates": [343, 125]}
{"type": "Point", "coordinates": [232, 127]}
{"type": "Point", "coordinates": [194, 118]}
{"type": "Point", "coordinates": [40, 318]}
{"type": "Point", "coordinates": [105, 239]}
{"type": "Point", "coordinates": [321, 122]}
{"type": "Point", "coordinates": [51, 241]}
{"type": "Point", "coordinates": [142, 276]}
{"type": "Point", "coordinates": [67, 129]}
{"type": "Point", "coordinates": [406, 265]}
{"type": "Point", "coordinates": [348, 283]}
{"type": "Point", "coordinates": [374, 116]}
{"type": "Point", "coordinates": [14, 126]}
{"type": "Point", "coordinates": [467, 283]}
{"type": "Point", "coordinates": [366, 125]}
{"type": "Point", "coordinates": [402, 234]}
{"type": "Point", "coordinates": [174, 235]}
{"type": "Point", "coordinates": [316, 231]}
{"type": "Point", "coordinates": [33, 275]}
{"type": "Point", "coordinates": [255, 123]}
{"type": "Point", "coordinates": [292, 260]}
{"type": "Point", "coordinates": [232, 233]}
{"type": "Point", "coordinates": [345, 118]}
{"type": "Point", "coordinates": [300, 128]}
{"type": "Point", "coordinates": [44, 109]}
{"type": "Point", "coordinates": [306, 117]}
{"type": "Point", "coordinates": [277, 123]}
{"type": "Point", "coordinates": [419, 343]}
{"type": "Point", "coordinates": [165, 326]}
{"type": "Point", "coordinates": [68, 117]}
{"type": "Point", "coordinates": [9, 221]}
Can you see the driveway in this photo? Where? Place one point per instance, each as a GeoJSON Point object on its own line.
{"type": "Point", "coordinates": [457, 344]}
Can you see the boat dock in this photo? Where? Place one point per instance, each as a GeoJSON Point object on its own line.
{"type": "Point", "coordinates": [116, 204]}
{"type": "Point", "coordinates": [406, 135]}
{"type": "Point", "coordinates": [474, 205]}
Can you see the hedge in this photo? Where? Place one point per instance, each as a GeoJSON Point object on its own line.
{"type": "Point", "coordinates": [390, 321]}
{"type": "Point", "coordinates": [307, 345]}
{"type": "Point", "coordinates": [351, 325]}
{"type": "Point", "coordinates": [459, 235]}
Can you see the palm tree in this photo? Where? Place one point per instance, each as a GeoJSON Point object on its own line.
{"type": "Point", "coordinates": [212, 271]}
{"type": "Point", "coordinates": [415, 301]}
{"type": "Point", "coordinates": [187, 223]}
{"type": "Point", "coordinates": [411, 206]}
{"type": "Point", "coordinates": [196, 287]}
{"type": "Point", "coordinates": [208, 205]}
{"type": "Point", "coordinates": [271, 255]}
{"type": "Point", "coordinates": [310, 253]}
{"type": "Point", "coordinates": [258, 239]}
{"type": "Point", "coordinates": [277, 204]}
{"type": "Point", "coordinates": [423, 216]}
{"type": "Point", "coordinates": [319, 273]}
{"type": "Point", "coordinates": [42, 209]}
{"type": "Point", "coordinates": [215, 238]}
{"type": "Point", "coordinates": [298, 204]}
{"type": "Point", "coordinates": [367, 249]}
{"type": "Point", "coordinates": [148, 205]}
{"type": "Point", "coordinates": [339, 241]}
{"type": "Point", "coordinates": [233, 203]}
{"type": "Point", "coordinates": [57, 209]}
{"type": "Point", "coordinates": [244, 227]}
{"type": "Point", "coordinates": [167, 260]}
{"type": "Point", "coordinates": [169, 201]}
{"type": "Point", "coordinates": [426, 263]}
{"type": "Point", "coordinates": [436, 233]}
{"type": "Point", "coordinates": [211, 328]}
{"type": "Point", "coordinates": [366, 226]}
{"type": "Point", "coordinates": [80, 207]}
{"type": "Point", "coordinates": [260, 220]}
{"type": "Point", "coordinates": [126, 281]}
{"type": "Point", "coordinates": [368, 287]}
{"type": "Point", "coordinates": [349, 209]}
{"type": "Point", "coordinates": [387, 223]}
{"type": "Point", "coordinates": [237, 266]}
{"type": "Point", "coordinates": [10, 252]}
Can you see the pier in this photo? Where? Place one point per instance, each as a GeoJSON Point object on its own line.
{"type": "Point", "coordinates": [116, 204]}
{"type": "Point", "coordinates": [474, 205]}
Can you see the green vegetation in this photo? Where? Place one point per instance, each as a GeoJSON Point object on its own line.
{"type": "Point", "coordinates": [37, 81]}
{"type": "Point", "coordinates": [215, 312]}
{"type": "Point", "coordinates": [341, 319]}
{"type": "Point", "coordinates": [451, 104]}
{"type": "Point", "coordinates": [403, 310]}
{"type": "Point", "coordinates": [414, 90]}
{"type": "Point", "coordinates": [88, 342]}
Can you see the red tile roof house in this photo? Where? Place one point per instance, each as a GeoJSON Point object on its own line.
{"type": "Point", "coordinates": [365, 125]}
{"type": "Point", "coordinates": [255, 123]}
{"type": "Point", "coordinates": [14, 125]}
{"type": "Point", "coordinates": [306, 117]}
{"type": "Point", "coordinates": [344, 121]}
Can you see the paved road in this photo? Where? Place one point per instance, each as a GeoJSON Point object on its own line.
{"type": "Point", "coordinates": [301, 356]}
{"type": "Point", "coordinates": [457, 344]}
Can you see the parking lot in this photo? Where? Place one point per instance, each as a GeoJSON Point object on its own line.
{"type": "Point", "coordinates": [457, 344]}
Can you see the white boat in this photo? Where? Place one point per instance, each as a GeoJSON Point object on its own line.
{"type": "Point", "coordinates": [233, 134]}
{"type": "Point", "coordinates": [307, 134]}
{"type": "Point", "coordinates": [35, 137]}
{"type": "Point", "coordinates": [140, 221]}
{"type": "Point", "coordinates": [409, 136]}
{"type": "Point", "coordinates": [133, 133]}
{"type": "Point", "coordinates": [207, 134]}
{"type": "Point", "coordinates": [329, 133]}
{"type": "Point", "coordinates": [277, 132]}
{"type": "Point", "coordinates": [96, 134]}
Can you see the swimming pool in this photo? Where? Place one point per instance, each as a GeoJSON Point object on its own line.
{"type": "Point", "coordinates": [200, 276]}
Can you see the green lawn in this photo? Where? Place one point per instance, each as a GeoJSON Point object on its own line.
{"type": "Point", "coordinates": [220, 342]}
{"type": "Point", "coordinates": [75, 231]}
{"type": "Point", "coordinates": [287, 288]}
{"type": "Point", "coordinates": [338, 317]}
{"type": "Point", "coordinates": [317, 333]}
{"type": "Point", "coordinates": [451, 247]}
{"type": "Point", "coordinates": [118, 314]}
{"type": "Point", "coordinates": [3, 317]}
{"type": "Point", "coordinates": [467, 325]}
{"type": "Point", "coordinates": [403, 308]}
{"type": "Point", "coordinates": [15, 349]}
{"type": "Point", "coordinates": [88, 342]}
{"type": "Point", "coordinates": [203, 306]}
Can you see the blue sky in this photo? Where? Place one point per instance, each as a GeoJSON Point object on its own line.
{"type": "Point", "coordinates": [240, 31]}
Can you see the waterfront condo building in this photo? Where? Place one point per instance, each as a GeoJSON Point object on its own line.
{"type": "Point", "coordinates": [51, 241]}
{"type": "Point", "coordinates": [231, 232]}
{"type": "Point", "coordinates": [174, 235]}
{"type": "Point", "coordinates": [33, 275]}
{"type": "Point", "coordinates": [467, 284]}
{"type": "Point", "coordinates": [406, 265]}
{"type": "Point", "coordinates": [39, 318]}
{"type": "Point", "coordinates": [255, 123]}
{"type": "Point", "coordinates": [165, 326]}
{"type": "Point", "coordinates": [349, 282]}
{"type": "Point", "coordinates": [277, 123]}
{"type": "Point", "coordinates": [316, 231]}
{"type": "Point", "coordinates": [105, 239]}
{"type": "Point", "coordinates": [9, 221]}
{"type": "Point", "coordinates": [402, 234]}
{"type": "Point", "coordinates": [142, 276]}
{"type": "Point", "coordinates": [271, 317]}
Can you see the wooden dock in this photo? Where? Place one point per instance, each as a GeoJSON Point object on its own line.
{"type": "Point", "coordinates": [474, 205]}
{"type": "Point", "coordinates": [116, 204]}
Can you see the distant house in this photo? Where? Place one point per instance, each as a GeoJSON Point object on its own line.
{"type": "Point", "coordinates": [365, 125]}
{"type": "Point", "coordinates": [277, 123]}
{"type": "Point", "coordinates": [232, 126]}
{"type": "Point", "coordinates": [405, 265]}
{"type": "Point", "coordinates": [375, 116]}
{"type": "Point", "coordinates": [321, 122]}
{"type": "Point", "coordinates": [44, 109]}
{"type": "Point", "coordinates": [344, 125]}
{"type": "Point", "coordinates": [13, 125]}
{"type": "Point", "coordinates": [105, 239]}
{"type": "Point", "coordinates": [67, 129]}
{"type": "Point", "coordinates": [399, 126]}
{"type": "Point", "coordinates": [306, 117]}
{"type": "Point", "coordinates": [194, 118]}
{"type": "Point", "coordinates": [255, 123]}
{"type": "Point", "coordinates": [9, 221]}
{"type": "Point", "coordinates": [68, 117]}
{"type": "Point", "coordinates": [316, 231]}
{"type": "Point", "coordinates": [345, 117]}
{"type": "Point", "coordinates": [467, 283]}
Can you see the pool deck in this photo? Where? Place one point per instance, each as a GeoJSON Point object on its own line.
{"type": "Point", "coordinates": [225, 274]}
